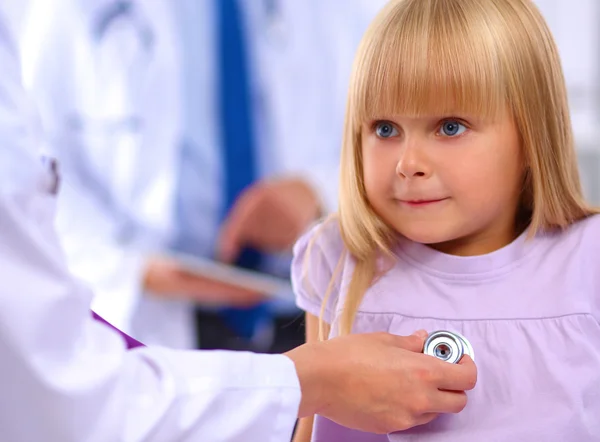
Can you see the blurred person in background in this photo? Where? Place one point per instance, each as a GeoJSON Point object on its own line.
{"type": "Point", "coordinates": [106, 77]}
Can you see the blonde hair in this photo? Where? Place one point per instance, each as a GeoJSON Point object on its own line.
{"type": "Point", "coordinates": [421, 57]}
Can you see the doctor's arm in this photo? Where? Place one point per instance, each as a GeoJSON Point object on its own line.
{"type": "Point", "coordinates": [68, 378]}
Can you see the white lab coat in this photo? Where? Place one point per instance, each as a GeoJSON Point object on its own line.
{"type": "Point", "coordinates": [67, 378]}
{"type": "Point", "coordinates": [112, 109]}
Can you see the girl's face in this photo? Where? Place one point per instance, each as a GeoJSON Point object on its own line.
{"type": "Point", "coordinates": [451, 181]}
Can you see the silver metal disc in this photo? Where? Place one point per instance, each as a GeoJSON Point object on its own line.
{"type": "Point", "coordinates": [448, 346]}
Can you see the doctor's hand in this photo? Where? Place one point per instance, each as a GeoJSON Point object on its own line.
{"type": "Point", "coordinates": [269, 216]}
{"type": "Point", "coordinates": [166, 279]}
{"type": "Point", "coordinates": [379, 383]}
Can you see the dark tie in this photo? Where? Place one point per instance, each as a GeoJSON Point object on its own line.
{"type": "Point", "coordinates": [238, 138]}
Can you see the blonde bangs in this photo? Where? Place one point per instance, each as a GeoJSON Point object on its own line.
{"type": "Point", "coordinates": [428, 59]}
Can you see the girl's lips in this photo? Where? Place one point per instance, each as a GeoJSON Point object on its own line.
{"type": "Point", "coordinates": [422, 203]}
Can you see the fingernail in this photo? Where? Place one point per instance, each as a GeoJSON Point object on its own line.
{"type": "Point", "coordinates": [421, 333]}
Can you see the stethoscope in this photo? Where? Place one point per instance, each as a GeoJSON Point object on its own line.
{"type": "Point", "coordinates": [101, 29]}
{"type": "Point", "coordinates": [448, 346]}
{"type": "Point", "coordinates": [122, 9]}
{"type": "Point", "coordinates": [275, 26]}
{"type": "Point", "coordinates": [121, 126]}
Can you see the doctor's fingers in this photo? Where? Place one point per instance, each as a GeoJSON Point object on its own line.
{"type": "Point", "coordinates": [414, 342]}
{"type": "Point", "coordinates": [447, 402]}
{"type": "Point", "coordinates": [213, 292]}
{"type": "Point", "coordinates": [457, 377]}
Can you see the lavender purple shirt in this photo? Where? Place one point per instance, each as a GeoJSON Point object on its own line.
{"type": "Point", "coordinates": [531, 311]}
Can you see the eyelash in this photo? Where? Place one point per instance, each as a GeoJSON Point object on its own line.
{"type": "Point", "coordinates": [376, 123]}
{"type": "Point", "coordinates": [452, 120]}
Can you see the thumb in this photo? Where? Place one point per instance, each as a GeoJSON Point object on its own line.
{"type": "Point", "coordinates": [421, 334]}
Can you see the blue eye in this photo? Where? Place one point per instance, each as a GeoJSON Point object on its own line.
{"type": "Point", "coordinates": [384, 129]}
{"type": "Point", "coordinates": [452, 128]}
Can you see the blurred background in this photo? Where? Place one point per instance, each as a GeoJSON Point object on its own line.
{"type": "Point", "coordinates": [195, 132]}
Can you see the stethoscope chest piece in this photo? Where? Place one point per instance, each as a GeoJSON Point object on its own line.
{"type": "Point", "coordinates": [448, 346]}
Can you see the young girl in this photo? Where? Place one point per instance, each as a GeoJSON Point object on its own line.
{"type": "Point", "coordinates": [461, 209]}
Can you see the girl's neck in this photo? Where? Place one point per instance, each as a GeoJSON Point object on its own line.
{"type": "Point", "coordinates": [475, 257]}
{"type": "Point", "coordinates": [480, 243]}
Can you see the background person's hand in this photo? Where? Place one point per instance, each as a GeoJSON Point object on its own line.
{"type": "Point", "coordinates": [269, 216]}
{"type": "Point", "coordinates": [164, 278]}
{"type": "Point", "coordinates": [379, 383]}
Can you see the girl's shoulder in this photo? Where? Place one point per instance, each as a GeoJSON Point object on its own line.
{"type": "Point", "coordinates": [583, 234]}
{"type": "Point", "coordinates": [318, 267]}
{"type": "Point", "coordinates": [578, 243]}
{"type": "Point", "coordinates": [323, 240]}
{"type": "Point", "coordinates": [590, 226]}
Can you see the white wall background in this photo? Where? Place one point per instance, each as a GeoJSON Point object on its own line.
{"type": "Point", "coordinates": [575, 25]}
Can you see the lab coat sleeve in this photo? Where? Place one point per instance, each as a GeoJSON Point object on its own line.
{"type": "Point", "coordinates": [65, 377]}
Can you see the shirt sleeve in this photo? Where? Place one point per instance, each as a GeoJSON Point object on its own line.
{"type": "Point", "coordinates": [65, 377]}
{"type": "Point", "coordinates": [316, 270]}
